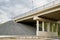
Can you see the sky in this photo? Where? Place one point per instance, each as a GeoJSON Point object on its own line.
{"type": "Point", "coordinates": [12, 8]}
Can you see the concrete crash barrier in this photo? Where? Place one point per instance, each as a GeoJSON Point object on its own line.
{"type": "Point", "coordinates": [28, 38]}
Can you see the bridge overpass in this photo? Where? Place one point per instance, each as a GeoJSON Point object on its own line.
{"type": "Point", "coordinates": [30, 22]}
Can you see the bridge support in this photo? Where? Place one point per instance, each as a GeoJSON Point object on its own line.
{"type": "Point", "coordinates": [37, 26]}
{"type": "Point", "coordinates": [48, 26]}
{"type": "Point", "coordinates": [47, 31]}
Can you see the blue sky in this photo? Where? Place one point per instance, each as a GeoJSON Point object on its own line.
{"type": "Point", "coordinates": [12, 8]}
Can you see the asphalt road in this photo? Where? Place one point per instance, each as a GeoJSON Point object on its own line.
{"type": "Point", "coordinates": [12, 28]}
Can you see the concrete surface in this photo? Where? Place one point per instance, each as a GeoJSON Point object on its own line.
{"type": "Point", "coordinates": [12, 28]}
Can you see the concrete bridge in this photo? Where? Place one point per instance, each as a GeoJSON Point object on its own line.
{"type": "Point", "coordinates": [41, 22]}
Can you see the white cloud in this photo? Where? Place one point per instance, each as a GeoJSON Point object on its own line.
{"type": "Point", "coordinates": [15, 10]}
{"type": "Point", "coordinates": [19, 9]}
{"type": "Point", "coordinates": [7, 0]}
{"type": "Point", "coordinates": [3, 19]}
{"type": "Point", "coordinates": [2, 12]}
{"type": "Point", "coordinates": [38, 3]}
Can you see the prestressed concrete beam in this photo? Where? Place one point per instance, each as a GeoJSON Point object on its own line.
{"type": "Point", "coordinates": [42, 19]}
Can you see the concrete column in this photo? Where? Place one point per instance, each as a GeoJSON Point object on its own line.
{"type": "Point", "coordinates": [48, 27]}
{"type": "Point", "coordinates": [53, 27]}
{"type": "Point", "coordinates": [37, 26]}
{"type": "Point", "coordinates": [57, 28]}
{"type": "Point", "coordinates": [43, 26]}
